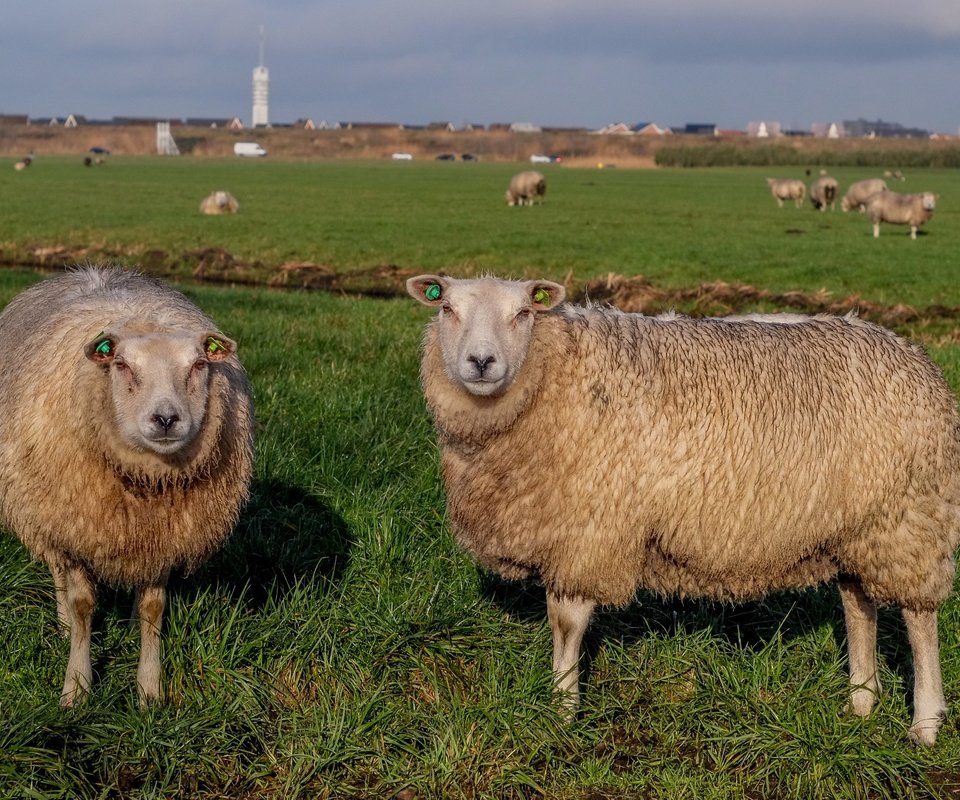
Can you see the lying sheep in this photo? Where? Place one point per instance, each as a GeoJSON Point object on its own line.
{"type": "Point", "coordinates": [823, 193]}
{"type": "Point", "coordinates": [126, 445]}
{"type": "Point", "coordinates": [219, 203]}
{"type": "Point", "coordinates": [606, 452]}
{"type": "Point", "coordinates": [861, 191]}
{"type": "Point", "coordinates": [787, 189]}
{"type": "Point", "coordinates": [901, 209]}
{"type": "Point", "coordinates": [525, 188]}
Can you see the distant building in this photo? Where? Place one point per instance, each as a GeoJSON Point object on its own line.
{"type": "Point", "coordinates": [14, 119]}
{"type": "Point", "coordinates": [764, 130]}
{"type": "Point", "coordinates": [828, 130]}
{"type": "Point", "coordinates": [523, 127]}
{"type": "Point", "coordinates": [231, 123]}
{"type": "Point", "coordinates": [866, 128]}
{"type": "Point", "coordinates": [700, 128]}
{"type": "Point", "coordinates": [615, 128]}
{"type": "Point", "coordinates": [649, 129]}
{"type": "Point", "coordinates": [260, 118]}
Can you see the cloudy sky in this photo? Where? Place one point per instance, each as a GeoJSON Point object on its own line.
{"type": "Point", "coordinates": [551, 62]}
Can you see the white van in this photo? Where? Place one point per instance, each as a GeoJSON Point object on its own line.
{"type": "Point", "coordinates": [249, 149]}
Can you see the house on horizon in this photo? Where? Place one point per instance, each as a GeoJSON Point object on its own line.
{"type": "Point", "coordinates": [524, 127]}
{"type": "Point", "coordinates": [230, 123]}
{"type": "Point", "coordinates": [700, 129]}
{"type": "Point", "coordinates": [615, 129]}
{"type": "Point", "coordinates": [649, 129]}
{"type": "Point", "coordinates": [764, 129]}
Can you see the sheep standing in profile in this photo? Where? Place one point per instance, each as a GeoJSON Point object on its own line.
{"type": "Point", "coordinates": [823, 193]}
{"type": "Point", "coordinates": [606, 452]}
{"type": "Point", "coordinates": [219, 203]}
{"type": "Point", "coordinates": [901, 209]}
{"type": "Point", "coordinates": [787, 189]}
{"type": "Point", "coordinates": [126, 445]}
{"type": "Point", "coordinates": [861, 191]}
{"type": "Point", "coordinates": [525, 188]}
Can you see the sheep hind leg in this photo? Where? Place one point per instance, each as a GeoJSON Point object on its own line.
{"type": "Point", "coordinates": [60, 588]}
{"type": "Point", "coordinates": [929, 704]}
{"type": "Point", "coordinates": [151, 602]}
{"type": "Point", "coordinates": [860, 614]}
{"type": "Point", "coordinates": [569, 618]}
{"type": "Point", "coordinates": [80, 599]}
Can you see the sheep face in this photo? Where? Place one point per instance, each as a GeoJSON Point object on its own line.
{"type": "Point", "coordinates": [929, 201]}
{"type": "Point", "coordinates": [485, 326]}
{"type": "Point", "coordinates": [159, 383]}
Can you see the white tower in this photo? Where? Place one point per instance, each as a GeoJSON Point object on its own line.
{"type": "Point", "coordinates": [261, 90]}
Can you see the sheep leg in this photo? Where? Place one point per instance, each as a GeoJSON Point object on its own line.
{"type": "Point", "coordinates": [151, 602]}
{"type": "Point", "coordinates": [861, 617]}
{"type": "Point", "coordinates": [929, 704]}
{"type": "Point", "coordinates": [79, 599]}
{"type": "Point", "coordinates": [913, 231]}
{"type": "Point", "coordinates": [876, 230]}
{"type": "Point", "coordinates": [569, 618]}
{"type": "Point", "coordinates": [60, 587]}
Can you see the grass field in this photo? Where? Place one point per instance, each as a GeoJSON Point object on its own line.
{"type": "Point", "coordinates": [339, 645]}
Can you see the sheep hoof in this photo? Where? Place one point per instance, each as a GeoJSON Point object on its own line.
{"type": "Point", "coordinates": [924, 731]}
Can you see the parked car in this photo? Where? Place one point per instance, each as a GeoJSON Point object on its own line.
{"type": "Point", "coordinates": [402, 157]}
{"type": "Point", "coordinates": [468, 157]}
{"type": "Point", "coordinates": [248, 150]}
{"type": "Point", "coordinates": [538, 158]}
{"type": "Point", "coordinates": [446, 157]}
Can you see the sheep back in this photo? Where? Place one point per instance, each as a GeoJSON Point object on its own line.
{"type": "Point", "coordinates": [63, 489]}
{"type": "Point", "coordinates": [706, 458]}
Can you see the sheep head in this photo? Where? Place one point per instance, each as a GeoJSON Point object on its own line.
{"type": "Point", "coordinates": [485, 326]}
{"type": "Point", "coordinates": [158, 383]}
{"type": "Point", "coordinates": [929, 201]}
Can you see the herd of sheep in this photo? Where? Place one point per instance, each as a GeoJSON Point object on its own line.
{"type": "Point", "coordinates": [871, 196]}
{"type": "Point", "coordinates": [601, 452]}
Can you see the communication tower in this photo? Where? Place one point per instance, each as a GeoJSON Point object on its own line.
{"type": "Point", "coordinates": [261, 90]}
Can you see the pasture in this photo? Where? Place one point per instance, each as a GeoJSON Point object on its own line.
{"type": "Point", "coordinates": [340, 645]}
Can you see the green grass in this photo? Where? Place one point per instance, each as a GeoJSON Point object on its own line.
{"type": "Point", "coordinates": [340, 645]}
{"type": "Point", "coordinates": [677, 227]}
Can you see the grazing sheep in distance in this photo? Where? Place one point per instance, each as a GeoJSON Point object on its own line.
{"type": "Point", "coordinates": [23, 163]}
{"type": "Point", "coordinates": [525, 188]}
{"type": "Point", "coordinates": [901, 209]}
{"type": "Point", "coordinates": [787, 189]}
{"type": "Point", "coordinates": [861, 191]}
{"type": "Point", "coordinates": [823, 193]}
{"type": "Point", "coordinates": [606, 452]}
{"type": "Point", "coordinates": [126, 445]}
{"type": "Point", "coordinates": [219, 203]}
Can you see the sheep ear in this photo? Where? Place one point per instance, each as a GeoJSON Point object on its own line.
{"type": "Point", "coordinates": [101, 348]}
{"type": "Point", "coordinates": [428, 289]}
{"type": "Point", "coordinates": [545, 295]}
{"type": "Point", "coordinates": [217, 347]}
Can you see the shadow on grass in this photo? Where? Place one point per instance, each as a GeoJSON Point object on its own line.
{"type": "Point", "coordinates": [284, 536]}
{"type": "Point", "coordinates": [749, 626]}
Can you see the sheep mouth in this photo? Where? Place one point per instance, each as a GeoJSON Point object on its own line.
{"type": "Point", "coordinates": [484, 387]}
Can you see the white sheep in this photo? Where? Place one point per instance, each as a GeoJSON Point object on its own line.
{"type": "Point", "coordinates": [901, 209]}
{"type": "Point", "coordinates": [126, 445]}
{"type": "Point", "coordinates": [525, 188]}
{"type": "Point", "coordinates": [219, 203]}
{"type": "Point", "coordinates": [859, 192]}
{"type": "Point", "coordinates": [823, 193]}
{"type": "Point", "coordinates": [787, 189]}
{"type": "Point", "coordinates": [605, 452]}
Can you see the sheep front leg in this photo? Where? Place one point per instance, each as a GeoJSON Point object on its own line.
{"type": "Point", "coordinates": [60, 587]}
{"type": "Point", "coordinates": [569, 618]}
{"type": "Point", "coordinates": [151, 602]}
{"type": "Point", "coordinates": [860, 614]}
{"type": "Point", "coordinates": [79, 599]}
{"type": "Point", "coordinates": [929, 704]}
{"type": "Point", "coordinates": [876, 230]}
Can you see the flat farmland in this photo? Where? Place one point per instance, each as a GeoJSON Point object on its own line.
{"type": "Point", "coordinates": [339, 645]}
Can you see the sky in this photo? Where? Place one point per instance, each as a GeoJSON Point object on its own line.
{"type": "Point", "coordinates": [550, 62]}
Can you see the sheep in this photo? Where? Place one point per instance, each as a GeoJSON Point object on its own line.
{"type": "Point", "coordinates": [787, 189]}
{"type": "Point", "coordinates": [901, 209]}
{"type": "Point", "coordinates": [525, 188]}
{"type": "Point", "coordinates": [219, 203]}
{"type": "Point", "coordinates": [861, 191]}
{"type": "Point", "coordinates": [126, 445]}
{"type": "Point", "coordinates": [23, 163]}
{"type": "Point", "coordinates": [823, 193]}
{"type": "Point", "coordinates": [606, 452]}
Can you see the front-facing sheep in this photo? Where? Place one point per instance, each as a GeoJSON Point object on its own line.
{"type": "Point", "coordinates": [126, 445]}
{"type": "Point", "coordinates": [787, 189]}
{"type": "Point", "coordinates": [823, 193]}
{"type": "Point", "coordinates": [901, 209]}
{"type": "Point", "coordinates": [526, 188]}
{"type": "Point", "coordinates": [219, 203]}
{"type": "Point", "coordinates": [606, 452]}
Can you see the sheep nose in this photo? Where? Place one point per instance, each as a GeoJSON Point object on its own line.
{"type": "Point", "coordinates": [481, 362]}
{"type": "Point", "coordinates": [166, 422]}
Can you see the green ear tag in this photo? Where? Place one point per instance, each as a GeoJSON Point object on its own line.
{"type": "Point", "coordinates": [432, 292]}
{"type": "Point", "coordinates": [213, 345]}
{"type": "Point", "coordinates": [103, 348]}
{"type": "Point", "coordinates": [541, 296]}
